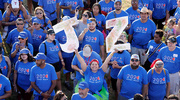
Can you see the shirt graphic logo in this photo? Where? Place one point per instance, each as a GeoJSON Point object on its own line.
{"type": "Point", "coordinates": [23, 71]}
{"type": "Point", "coordinates": [141, 29]}
{"type": "Point", "coordinates": [132, 77]}
{"type": "Point", "coordinates": [94, 79]}
{"type": "Point", "coordinates": [169, 59]}
{"type": "Point", "coordinates": [160, 6]}
{"type": "Point", "coordinates": [51, 1]}
{"type": "Point", "coordinates": [91, 39]}
{"type": "Point", "coordinates": [159, 80]}
{"type": "Point", "coordinates": [42, 77]}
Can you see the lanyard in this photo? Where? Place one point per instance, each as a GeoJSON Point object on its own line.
{"type": "Point", "coordinates": [87, 62]}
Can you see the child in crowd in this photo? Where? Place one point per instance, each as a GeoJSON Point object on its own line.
{"type": "Point", "coordinates": [170, 30]}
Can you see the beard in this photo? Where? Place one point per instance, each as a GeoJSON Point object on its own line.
{"type": "Point", "coordinates": [134, 66]}
{"type": "Point", "coordinates": [92, 29]}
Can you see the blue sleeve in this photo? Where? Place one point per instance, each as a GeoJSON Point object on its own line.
{"type": "Point", "coordinates": [159, 54]}
{"type": "Point", "coordinates": [62, 3]}
{"type": "Point", "coordinates": [101, 39]}
{"type": "Point", "coordinates": [32, 76]}
{"type": "Point", "coordinates": [4, 14]}
{"type": "Point", "coordinates": [145, 79]}
{"type": "Point", "coordinates": [120, 74]}
{"type": "Point", "coordinates": [29, 37]}
{"type": "Point", "coordinates": [101, 71]}
{"type": "Point", "coordinates": [42, 48]}
{"type": "Point", "coordinates": [167, 76]}
{"type": "Point", "coordinates": [57, 42]}
{"type": "Point", "coordinates": [8, 40]}
{"type": "Point", "coordinates": [13, 47]}
{"type": "Point", "coordinates": [131, 29]}
{"type": "Point", "coordinates": [31, 49]}
{"type": "Point", "coordinates": [127, 59]}
{"type": "Point", "coordinates": [40, 2]}
{"type": "Point", "coordinates": [149, 73]}
{"type": "Point", "coordinates": [0, 15]}
{"type": "Point", "coordinates": [88, 69]}
{"type": "Point", "coordinates": [8, 85]}
{"type": "Point", "coordinates": [53, 72]}
{"type": "Point", "coordinates": [80, 3]}
{"type": "Point", "coordinates": [150, 7]}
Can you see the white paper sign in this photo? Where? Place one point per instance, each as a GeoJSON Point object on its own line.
{"type": "Point", "coordinates": [125, 46]}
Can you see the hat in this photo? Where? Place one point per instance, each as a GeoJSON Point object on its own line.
{"type": "Point", "coordinates": [159, 64]}
{"type": "Point", "coordinates": [40, 56]}
{"type": "Point", "coordinates": [117, 1]}
{"type": "Point", "coordinates": [15, 3]}
{"type": "Point", "coordinates": [87, 51]}
{"type": "Point", "coordinates": [24, 51]}
{"type": "Point", "coordinates": [36, 21]}
{"type": "Point", "coordinates": [89, 21]}
{"type": "Point", "coordinates": [135, 56]}
{"type": "Point", "coordinates": [50, 31]}
{"type": "Point", "coordinates": [145, 10]}
{"type": "Point", "coordinates": [22, 35]}
{"type": "Point", "coordinates": [83, 85]}
{"type": "Point", "coordinates": [65, 18]}
{"type": "Point", "coordinates": [172, 39]}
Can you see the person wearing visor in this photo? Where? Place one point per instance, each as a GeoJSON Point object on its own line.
{"type": "Point", "coordinates": [22, 73]}
{"type": "Point", "coordinates": [132, 79]}
{"type": "Point", "coordinates": [83, 93]}
{"type": "Point", "coordinates": [158, 82]}
{"type": "Point", "coordinates": [17, 46]}
{"type": "Point", "coordinates": [43, 78]}
{"type": "Point", "coordinates": [170, 55]}
{"type": "Point", "coordinates": [51, 48]}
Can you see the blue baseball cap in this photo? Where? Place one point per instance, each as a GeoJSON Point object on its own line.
{"type": "Point", "coordinates": [40, 56]}
{"type": "Point", "coordinates": [89, 21]}
{"type": "Point", "coordinates": [117, 1]}
{"type": "Point", "coordinates": [36, 20]}
{"type": "Point", "coordinates": [22, 35]}
{"type": "Point", "coordinates": [24, 51]}
{"type": "Point", "coordinates": [83, 85]}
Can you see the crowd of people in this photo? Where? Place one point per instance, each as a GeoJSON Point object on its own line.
{"type": "Point", "coordinates": [33, 65]}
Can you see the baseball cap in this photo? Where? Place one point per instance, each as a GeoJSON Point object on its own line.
{"type": "Point", "coordinates": [159, 64]}
{"type": "Point", "coordinates": [135, 56]}
{"type": "Point", "coordinates": [40, 56]}
{"type": "Point", "coordinates": [89, 21]}
{"type": "Point", "coordinates": [117, 1]}
{"type": "Point", "coordinates": [24, 51]}
{"type": "Point", "coordinates": [172, 39]}
{"type": "Point", "coordinates": [83, 85]}
{"type": "Point", "coordinates": [15, 3]}
{"type": "Point", "coordinates": [22, 35]}
{"type": "Point", "coordinates": [50, 31]}
{"type": "Point", "coordinates": [65, 18]}
{"type": "Point", "coordinates": [36, 21]}
{"type": "Point", "coordinates": [87, 51]}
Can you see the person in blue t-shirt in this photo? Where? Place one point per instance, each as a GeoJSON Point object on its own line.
{"type": "Point", "coordinates": [177, 12]}
{"type": "Point", "coordinates": [153, 48]}
{"type": "Point", "coordinates": [106, 6]}
{"type": "Point", "coordinates": [94, 75]}
{"type": "Point", "coordinates": [13, 35]}
{"type": "Point", "coordinates": [171, 7]}
{"type": "Point", "coordinates": [5, 64]}
{"type": "Point", "coordinates": [159, 82]}
{"type": "Point", "coordinates": [142, 30]}
{"type": "Point", "coordinates": [69, 7]}
{"type": "Point", "coordinates": [17, 46]}
{"type": "Point", "coordinates": [133, 11]}
{"type": "Point", "coordinates": [38, 35]}
{"type": "Point", "coordinates": [170, 55]}
{"type": "Point", "coordinates": [22, 73]}
{"type": "Point", "coordinates": [118, 60]}
{"type": "Point", "coordinates": [145, 3]}
{"type": "Point", "coordinates": [132, 79]}
{"type": "Point", "coordinates": [93, 37]}
{"type": "Point", "coordinates": [3, 5]}
{"type": "Point", "coordinates": [43, 78]}
{"type": "Point", "coordinates": [5, 87]}
{"type": "Point", "coordinates": [100, 18]}
{"type": "Point", "coordinates": [51, 48]}
{"type": "Point", "coordinates": [160, 8]}
{"type": "Point", "coordinates": [83, 93]}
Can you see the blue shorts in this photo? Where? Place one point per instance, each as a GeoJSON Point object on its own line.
{"type": "Point", "coordinates": [68, 62]}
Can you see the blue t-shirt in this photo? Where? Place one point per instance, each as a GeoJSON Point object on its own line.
{"type": "Point", "coordinates": [76, 96]}
{"type": "Point", "coordinates": [152, 46]}
{"type": "Point", "coordinates": [133, 81]}
{"type": "Point", "coordinates": [23, 73]}
{"type": "Point", "coordinates": [95, 80]}
{"type": "Point", "coordinates": [42, 21]}
{"type": "Point", "coordinates": [61, 37]}
{"type": "Point", "coordinates": [160, 7]}
{"type": "Point", "coordinates": [4, 66]}
{"type": "Point", "coordinates": [2, 3]}
{"type": "Point", "coordinates": [43, 77]}
{"type": "Point", "coordinates": [100, 19]}
{"type": "Point", "coordinates": [157, 84]}
{"type": "Point", "coordinates": [5, 85]}
{"type": "Point", "coordinates": [142, 33]}
{"type": "Point", "coordinates": [38, 37]}
{"type": "Point", "coordinates": [177, 14]}
{"type": "Point", "coordinates": [49, 7]}
{"type": "Point", "coordinates": [122, 59]}
{"type": "Point", "coordinates": [133, 14]}
{"type": "Point", "coordinates": [145, 3]}
{"type": "Point", "coordinates": [178, 40]}
{"type": "Point", "coordinates": [171, 59]}
{"type": "Point", "coordinates": [75, 61]}
{"type": "Point", "coordinates": [172, 5]}
{"type": "Point", "coordinates": [73, 3]}
{"type": "Point", "coordinates": [110, 15]}
{"type": "Point", "coordinates": [13, 18]}
{"type": "Point", "coordinates": [30, 47]}
{"type": "Point", "coordinates": [13, 36]}
{"type": "Point", "coordinates": [107, 7]}
{"type": "Point", "coordinates": [95, 39]}
{"type": "Point", "coordinates": [52, 51]}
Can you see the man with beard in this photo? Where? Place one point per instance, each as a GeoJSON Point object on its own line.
{"type": "Point", "coordinates": [83, 93]}
{"type": "Point", "coordinates": [132, 79]}
{"type": "Point", "coordinates": [43, 78]}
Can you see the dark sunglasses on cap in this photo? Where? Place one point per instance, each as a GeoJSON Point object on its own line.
{"type": "Point", "coordinates": [35, 24]}
{"type": "Point", "coordinates": [20, 23]}
{"type": "Point", "coordinates": [85, 15]}
{"type": "Point", "coordinates": [20, 38]}
{"type": "Point", "coordinates": [38, 13]}
{"type": "Point", "coordinates": [134, 60]}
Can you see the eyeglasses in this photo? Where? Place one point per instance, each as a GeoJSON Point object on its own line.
{"type": "Point", "coordinates": [38, 13]}
{"type": "Point", "coordinates": [118, 4]}
{"type": "Point", "coordinates": [36, 24]}
{"type": "Point", "coordinates": [133, 60]}
{"type": "Point", "coordinates": [20, 23]}
{"type": "Point", "coordinates": [85, 15]}
{"type": "Point", "coordinates": [134, 2]}
{"type": "Point", "coordinates": [21, 38]}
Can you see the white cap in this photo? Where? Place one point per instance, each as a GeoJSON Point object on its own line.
{"type": "Point", "coordinates": [15, 3]}
{"type": "Point", "coordinates": [87, 51]}
{"type": "Point", "coordinates": [135, 56]}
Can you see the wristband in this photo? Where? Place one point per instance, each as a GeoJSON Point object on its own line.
{"type": "Point", "coordinates": [62, 60]}
{"type": "Point", "coordinates": [40, 93]}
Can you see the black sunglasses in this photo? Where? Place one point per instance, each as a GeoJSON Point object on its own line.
{"type": "Point", "coordinates": [21, 38]}
{"type": "Point", "coordinates": [85, 15]}
{"type": "Point", "coordinates": [20, 23]}
{"type": "Point", "coordinates": [36, 24]}
{"type": "Point", "coordinates": [134, 60]}
{"type": "Point", "coordinates": [38, 13]}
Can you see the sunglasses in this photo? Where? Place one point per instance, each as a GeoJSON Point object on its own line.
{"type": "Point", "coordinates": [35, 24]}
{"type": "Point", "coordinates": [20, 23]}
{"type": "Point", "coordinates": [134, 2]}
{"type": "Point", "coordinates": [133, 60]}
{"type": "Point", "coordinates": [21, 38]}
{"type": "Point", "coordinates": [85, 15]}
{"type": "Point", "coordinates": [38, 13]}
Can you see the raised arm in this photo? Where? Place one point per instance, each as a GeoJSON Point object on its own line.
{"type": "Point", "coordinates": [81, 60]}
